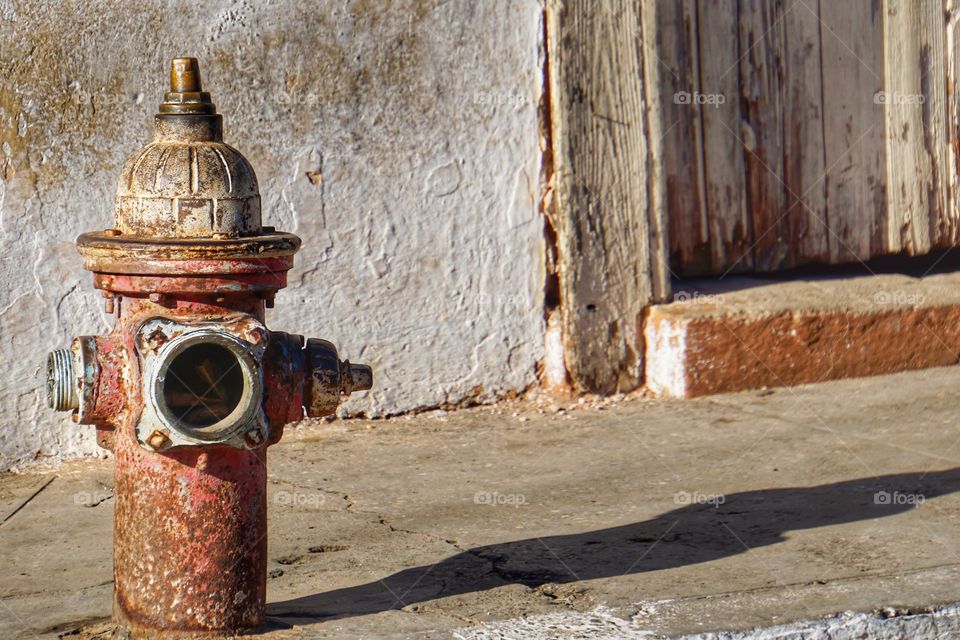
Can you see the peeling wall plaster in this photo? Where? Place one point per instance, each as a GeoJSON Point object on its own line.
{"type": "Point", "coordinates": [397, 138]}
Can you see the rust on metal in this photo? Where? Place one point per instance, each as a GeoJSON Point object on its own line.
{"type": "Point", "coordinates": [191, 387]}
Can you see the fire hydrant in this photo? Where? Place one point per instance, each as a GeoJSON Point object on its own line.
{"type": "Point", "coordinates": [190, 387]}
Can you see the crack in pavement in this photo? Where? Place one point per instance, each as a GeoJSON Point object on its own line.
{"type": "Point", "coordinates": [28, 500]}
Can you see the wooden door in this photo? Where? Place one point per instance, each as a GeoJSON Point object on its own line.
{"type": "Point", "coordinates": [806, 131]}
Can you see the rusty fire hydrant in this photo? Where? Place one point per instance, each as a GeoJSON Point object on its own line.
{"type": "Point", "coordinates": [190, 387]}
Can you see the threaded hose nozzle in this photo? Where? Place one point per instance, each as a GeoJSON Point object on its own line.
{"type": "Point", "coordinates": [61, 389]}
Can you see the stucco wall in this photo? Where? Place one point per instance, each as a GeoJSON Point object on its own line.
{"type": "Point", "coordinates": [417, 120]}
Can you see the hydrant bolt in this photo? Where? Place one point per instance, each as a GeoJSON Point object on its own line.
{"type": "Point", "coordinates": [158, 440]}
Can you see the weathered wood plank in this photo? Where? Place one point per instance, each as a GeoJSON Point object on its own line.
{"type": "Point", "coordinates": [682, 159]}
{"type": "Point", "coordinates": [600, 154]}
{"type": "Point", "coordinates": [761, 75]}
{"type": "Point", "coordinates": [805, 217]}
{"type": "Point", "coordinates": [915, 117]}
{"type": "Point", "coordinates": [951, 222]}
{"type": "Point", "coordinates": [657, 254]}
{"type": "Point", "coordinates": [852, 54]}
{"type": "Point", "coordinates": [729, 229]}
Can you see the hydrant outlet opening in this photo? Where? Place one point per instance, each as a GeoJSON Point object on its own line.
{"type": "Point", "coordinates": [207, 386]}
{"type": "Point", "coordinates": [203, 385]}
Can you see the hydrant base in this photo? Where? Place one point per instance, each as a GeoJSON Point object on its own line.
{"type": "Point", "coordinates": [126, 629]}
{"type": "Point", "coordinates": [190, 538]}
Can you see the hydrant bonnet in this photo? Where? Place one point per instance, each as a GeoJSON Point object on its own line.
{"type": "Point", "coordinates": [187, 182]}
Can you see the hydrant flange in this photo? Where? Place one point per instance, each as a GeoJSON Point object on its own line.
{"type": "Point", "coordinates": [204, 382]}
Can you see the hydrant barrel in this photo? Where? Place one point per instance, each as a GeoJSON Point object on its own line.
{"type": "Point", "coordinates": [191, 387]}
{"type": "Point", "coordinates": [190, 528]}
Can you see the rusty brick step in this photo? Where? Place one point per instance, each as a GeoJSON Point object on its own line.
{"type": "Point", "coordinates": [741, 333]}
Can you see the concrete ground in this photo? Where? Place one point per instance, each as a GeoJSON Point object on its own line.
{"type": "Point", "coordinates": [634, 518]}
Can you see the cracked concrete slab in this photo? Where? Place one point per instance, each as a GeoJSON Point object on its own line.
{"type": "Point", "coordinates": [640, 518]}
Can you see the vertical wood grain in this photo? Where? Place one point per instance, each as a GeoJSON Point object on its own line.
{"type": "Point", "coordinates": [852, 42]}
{"type": "Point", "coordinates": [843, 141]}
{"type": "Point", "coordinates": [606, 262]}
{"type": "Point", "coordinates": [915, 117]}
{"type": "Point", "coordinates": [951, 235]}
{"type": "Point", "coordinates": [729, 229]}
{"type": "Point", "coordinates": [806, 230]}
{"type": "Point", "coordinates": [762, 39]}
{"type": "Point", "coordinates": [676, 45]}
{"type": "Point", "coordinates": [658, 255]}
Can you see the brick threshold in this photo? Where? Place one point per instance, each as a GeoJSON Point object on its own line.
{"type": "Point", "coordinates": [739, 334]}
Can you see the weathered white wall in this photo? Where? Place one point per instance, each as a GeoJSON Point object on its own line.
{"type": "Point", "coordinates": [422, 242]}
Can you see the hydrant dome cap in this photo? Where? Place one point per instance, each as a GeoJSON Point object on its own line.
{"type": "Point", "coordinates": [176, 189]}
{"type": "Point", "coordinates": [187, 183]}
